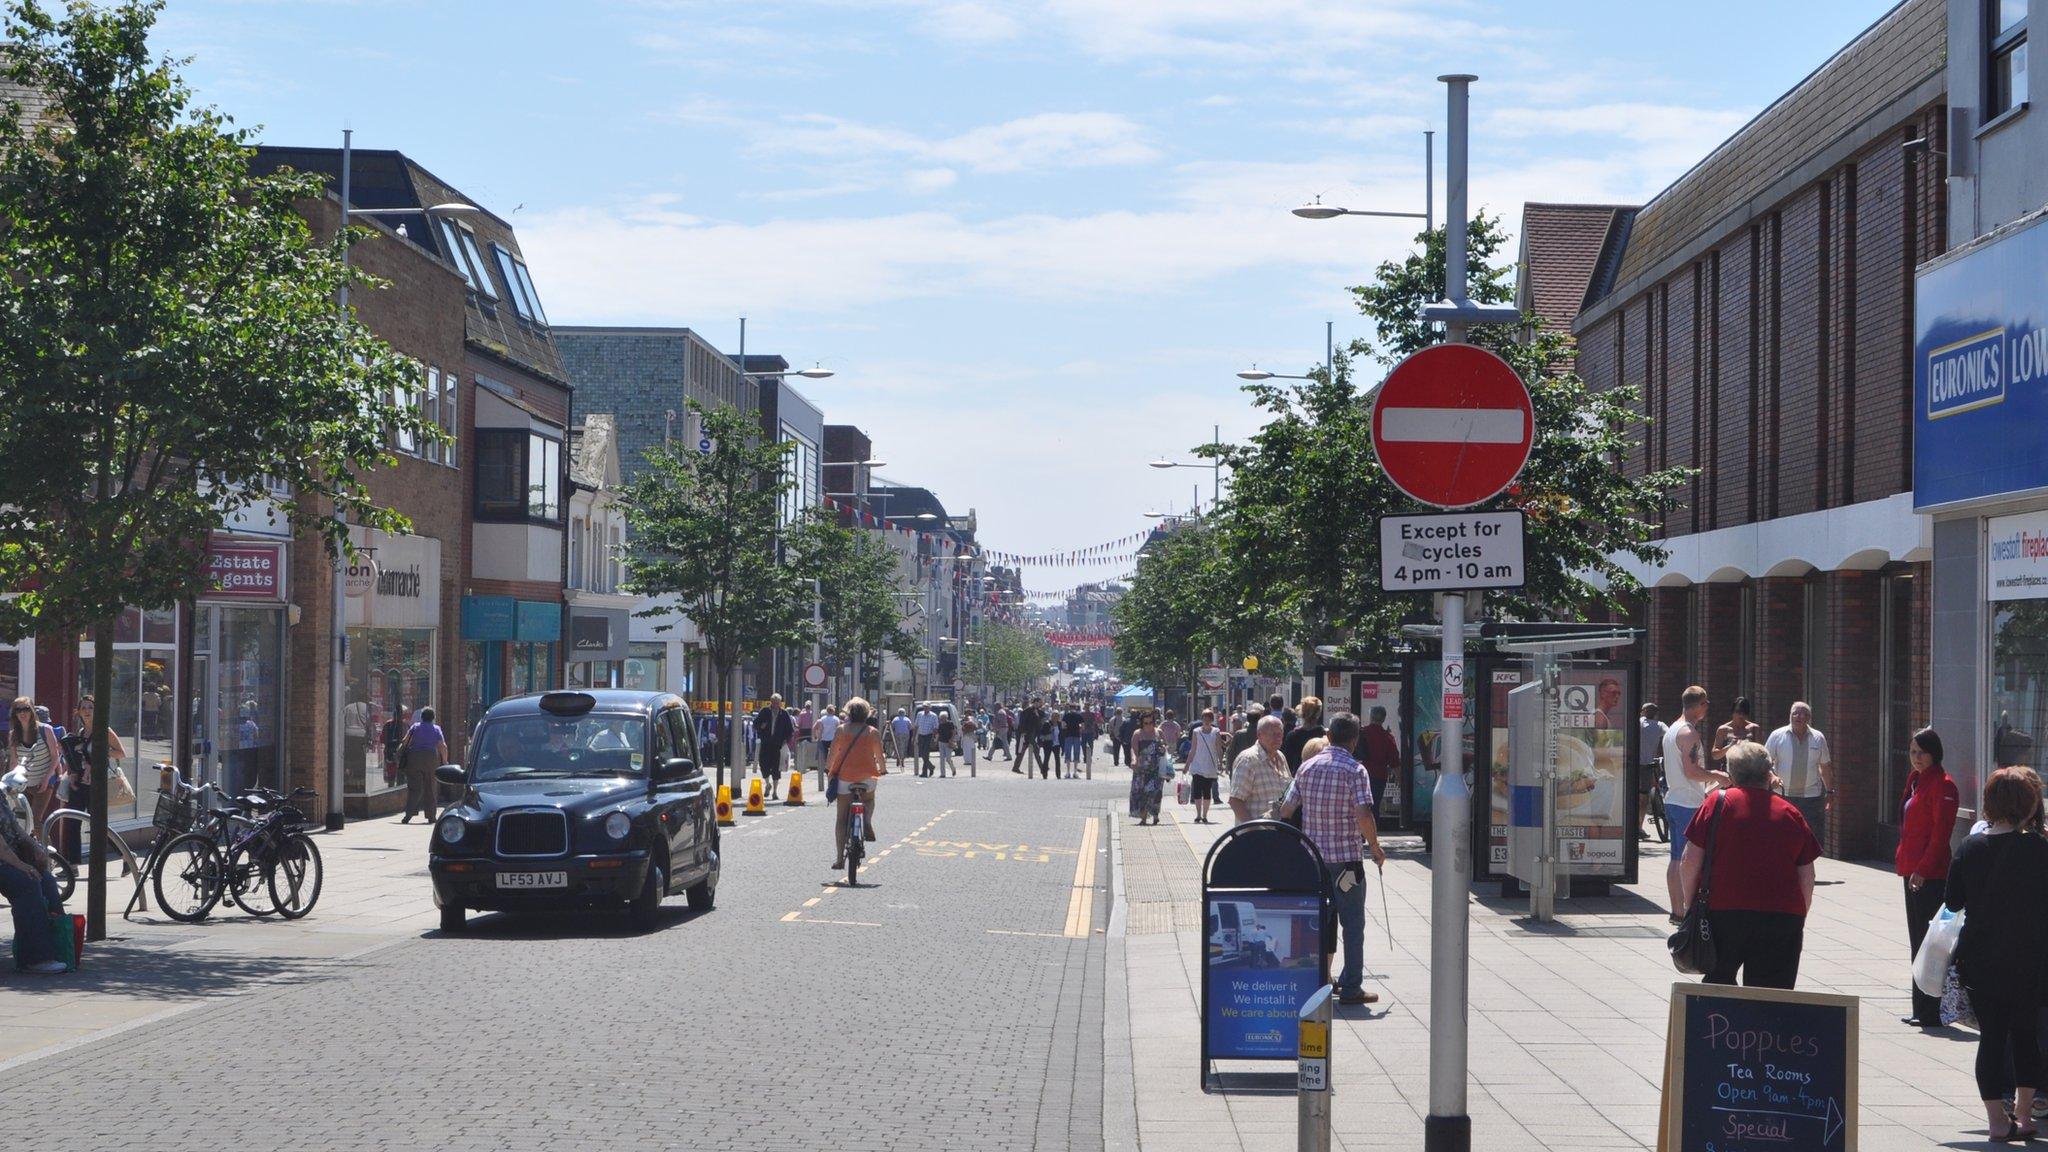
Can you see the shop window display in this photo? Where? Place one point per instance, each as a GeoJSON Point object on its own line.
{"type": "Point", "coordinates": [390, 676]}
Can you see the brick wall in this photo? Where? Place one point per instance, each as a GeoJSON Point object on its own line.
{"type": "Point", "coordinates": [1717, 641]}
{"type": "Point", "coordinates": [1669, 648]}
{"type": "Point", "coordinates": [1779, 656]}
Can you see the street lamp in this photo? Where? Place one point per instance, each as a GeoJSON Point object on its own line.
{"type": "Point", "coordinates": [1257, 373]}
{"type": "Point", "coordinates": [1215, 466]}
{"type": "Point", "coordinates": [1317, 210]}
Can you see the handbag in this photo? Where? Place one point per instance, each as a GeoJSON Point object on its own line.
{"type": "Point", "coordinates": [1692, 946]}
{"type": "Point", "coordinates": [119, 790]}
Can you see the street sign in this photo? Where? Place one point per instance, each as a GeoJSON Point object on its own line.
{"type": "Point", "coordinates": [1214, 677]}
{"type": "Point", "coordinates": [1452, 426]}
{"type": "Point", "coordinates": [814, 676]}
{"type": "Point", "coordinates": [705, 445]}
{"type": "Point", "coordinates": [1453, 550]}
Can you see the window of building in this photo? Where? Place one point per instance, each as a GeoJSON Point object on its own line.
{"type": "Point", "coordinates": [481, 277]}
{"type": "Point", "coordinates": [2019, 683]}
{"type": "Point", "coordinates": [453, 240]}
{"type": "Point", "coordinates": [451, 418]}
{"type": "Point", "coordinates": [518, 476]}
{"type": "Point", "coordinates": [532, 297]}
{"type": "Point", "coordinates": [576, 530]}
{"type": "Point", "coordinates": [405, 439]}
{"type": "Point", "coordinates": [519, 285]}
{"type": "Point", "coordinates": [614, 566]}
{"type": "Point", "coordinates": [430, 411]}
{"type": "Point", "coordinates": [2005, 69]}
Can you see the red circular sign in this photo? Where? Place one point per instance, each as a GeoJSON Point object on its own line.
{"type": "Point", "coordinates": [1452, 425]}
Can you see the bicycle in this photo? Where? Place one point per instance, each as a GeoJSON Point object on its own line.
{"type": "Point", "coordinates": [1658, 820]}
{"type": "Point", "coordinates": [242, 858]}
{"type": "Point", "coordinates": [856, 831]}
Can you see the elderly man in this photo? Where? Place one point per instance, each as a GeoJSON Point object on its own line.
{"type": "Point", "coordinates": [1258, 775]}
{"type": "Point", "coordinates": [1334, 796]}
{"type": "Point", "coordinates": [1799, 755]}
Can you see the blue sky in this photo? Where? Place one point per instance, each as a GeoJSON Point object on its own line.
{"type": "Point", "coordinates": [1034, 238]}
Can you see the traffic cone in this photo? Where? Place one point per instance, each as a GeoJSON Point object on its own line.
{"type": "Point", "coordinates": [755, 806]}
{"type": "Point", "coordinates": [725, 819]}
{"type": "Point", "coordinates": [794, 797]}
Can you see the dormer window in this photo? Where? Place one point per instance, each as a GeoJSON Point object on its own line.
{"type": "Point", "coordinates": [480, 278]}
{"type": "Point", "coordinates": [519, 286]}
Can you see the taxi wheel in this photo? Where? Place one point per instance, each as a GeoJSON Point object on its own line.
{"type": "Point", "coordinates": [454, 918]}
{"type": "Point", "coordinates": [646, 907]}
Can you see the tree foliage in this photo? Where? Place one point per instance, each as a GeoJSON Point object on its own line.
{"type": "Point", "coordinates": [856, 574]}
{"type": "Point", "coordinates": [170, 344]}
{"type": "Point", "coordinates": [1298, 530]}
{"type": "Point", "coordinates": [1010, 659]}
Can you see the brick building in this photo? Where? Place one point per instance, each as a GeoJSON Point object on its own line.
{"type": "Point", "coordinates": [1762, 305]}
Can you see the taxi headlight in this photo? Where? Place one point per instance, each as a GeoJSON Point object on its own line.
{"type": "Point", "coordinates": [453, 829]}
{"type": "Point", "coordinates": [618, 825]}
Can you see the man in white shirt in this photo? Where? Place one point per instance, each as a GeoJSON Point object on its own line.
{"type": "Point", "coordinates": [927, 737]}
{"type": "Point", "coordinates": [899, 729]}
{"type": "Point", "coordinates": [1205, 763]}
{"type": "Point", "coordinates": [1649, 746]}
{"type": "Point", "coordinates": [1686, 781]}
{"type": "Point", "coordinates": [1799, 755]}
{"type": "Point", "coordinates": [826, 728]}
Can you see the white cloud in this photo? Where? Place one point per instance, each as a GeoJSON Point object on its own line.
{"type": "Point", "coordinates": [1035, 143]}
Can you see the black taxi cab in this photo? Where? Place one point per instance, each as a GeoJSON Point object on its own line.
{"type": "Point", "coordinates": [577, 799]}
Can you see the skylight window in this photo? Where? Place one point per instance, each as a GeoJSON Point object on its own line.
{"type": "Point", "coordinates": [455, 256]}
{"type": "Point", "coordinates": [519, 285]}
{"type": "Point", "coordinates": [476, 262]}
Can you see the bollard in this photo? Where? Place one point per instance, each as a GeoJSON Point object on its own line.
{"type": "Point", "coordinates": [1312, 1075]}
{"type": "Point", "coordinates": [725, 819]}
{"type": "Point", "coordinates": [755, 804]}
{"type": "Point", "coordinates": [794, 797]}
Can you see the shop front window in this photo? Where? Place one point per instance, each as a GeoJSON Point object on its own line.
{"type": "Point", "coordinates": [533, 668]}
{"type": "Point", "coordinates": [143, 703]}
{"type": "Point", "coordinates": [646, 667]}
{"type": "Point", "coordinates": [390, 675]}
{"type": "Point", "coordinates": [595, 674]}
{"type": "Point", "coordinates": [248, 710]}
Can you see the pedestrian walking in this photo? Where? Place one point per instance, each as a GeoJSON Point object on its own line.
{"type": "Point", "coordinates": [857, 760]}
{"type": "Point", "coordinates": [1000, 723]}
{"type": "Point", "coordinates": [1246, 734]}
{"type": "Point", "coordinates": [1762, 873]}
{"type": "Point", "coordinates": [899, 731]}
{"type": "Point", "coordinates": [1686, 780]}
{"type": "Point", "coordinates": [970, 735]}
{"type": "Point", "coordinates": [1071, 723]}
{"type": "Point", "coordinates": [1380, 752]}
{"type": "Point", "coordinates": [1048, 744]}
{"type": "Point", "coordinates": [1927, 819]}
{"type": "Point", "coordinates": [773, 731]}
{"type": "Point", "coordinates": [1736, 729]}
{"type": "Point", "coordinates": [423, 749]}
{"type": "Point", "coordinates": [33, 749]}
{"type": "Point", "coordinates": [1170, 735]}
{"type": "Point", "coordinates": [1999, 881]}
{"type": "Point", "coordinates": [1310, 727]}
{"type": "Point", "coordinates": [927, 722]}
{"type": "Point", "coordinates": [806, 721]}
{"type": "Point", "coordinates": [1334, 798]}
{"type": "Point", "coordinates": [1148, 759]}
{"type": "Point", "coordinates": [1799, 755]}
{"type": "Point", "coordinates": [1258, 774]}
{"type": "Point", "coordinates": [1276, 705]}
{"type": "Point", "coordinates": [1205, 763]}
{"type": "Point", "coordinates": [828, 731]}
{"type": "Point", "coordinates": [1091, 731]}
{"type": "Point", "coordinates": [944, 735]}
{"type": "Point", "coordinates": [1649, 752]}
{"type": "Point", "coordinates": [1126, 731]}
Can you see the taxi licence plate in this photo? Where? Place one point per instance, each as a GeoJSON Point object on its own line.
{"type": "Point", "coordinates": [533, 879]}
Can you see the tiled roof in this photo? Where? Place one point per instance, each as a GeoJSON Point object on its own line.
{"type": "Point", "coordinates": [32, 100]}
{"type": "Point", "coordinates": [383, 178]}
{"type": "Point", "coordinates": [1561, 245]}
{"type": "Point", "coordinates": [1891, 57]}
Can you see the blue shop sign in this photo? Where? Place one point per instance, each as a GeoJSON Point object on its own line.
{"type": "Point", "coordinates": [487, 618]}
{"type": "Point", "coordinates": [539, 621]}
{"type": "Point", "coordinates": [1980, 370]}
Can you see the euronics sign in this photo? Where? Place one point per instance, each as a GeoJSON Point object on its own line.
{"type": "Point", "coordinates": [1980, 370]}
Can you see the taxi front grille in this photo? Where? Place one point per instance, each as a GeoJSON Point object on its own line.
{"type": "Point", "coordinates": [533, 833]}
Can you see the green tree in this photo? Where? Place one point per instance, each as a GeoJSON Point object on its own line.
{"type": "Point", "coordinates": [1299, 525]}
{"type": "Point", "coordinates": [706, 531]}
{"type": "Point", "coordinates": [169, 341]}
{"type": "Point", "coordinates": [1010, 659]}
{"type": "Point", "coordinates": [856, 575]}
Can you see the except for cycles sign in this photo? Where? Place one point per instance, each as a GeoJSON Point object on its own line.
{"type": "Point", "coordinates": [1452, 550]}
{"type": "Point", "coordinates": [1453, 425]}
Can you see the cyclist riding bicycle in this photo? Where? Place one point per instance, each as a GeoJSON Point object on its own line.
{"type": "Point", "coordinates": [856, 763]}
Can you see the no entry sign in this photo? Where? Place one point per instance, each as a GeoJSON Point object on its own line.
{"type": "Point", "coordinates": [1452, 425]}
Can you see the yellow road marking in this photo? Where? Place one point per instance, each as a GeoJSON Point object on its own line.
{"type": "Point", "coordinates": [812, 901]}
{"type": "Point", "coordinates": [845, 923]}
{"type": "Point", "coordinates": [791, 916]}
{"type": "Point", "coordinates": [1043, 935]}
{"type": "Point", "coordinates": [1081, 904]}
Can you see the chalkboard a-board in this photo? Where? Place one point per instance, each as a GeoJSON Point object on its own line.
{"type": "Point", "coordinates": [1751, 1069]}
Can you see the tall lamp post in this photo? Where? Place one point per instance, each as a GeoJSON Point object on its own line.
{"type": "Point", "coordinates": [337, 687]}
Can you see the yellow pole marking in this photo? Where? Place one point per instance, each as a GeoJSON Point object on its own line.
{"type": "Point", "coordinates": [1081, 903]}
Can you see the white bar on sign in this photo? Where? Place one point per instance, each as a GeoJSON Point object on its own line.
{"type": "Point", "coordinates": [1453, 425]}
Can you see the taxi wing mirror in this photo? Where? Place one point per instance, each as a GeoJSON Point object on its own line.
{"type": "Point", "coordinates": [679, 768]}
{"type": "Point", "coordinates": [451, 774]}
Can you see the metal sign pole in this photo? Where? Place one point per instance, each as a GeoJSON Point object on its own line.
{"type": "Point", "coordinates": [1312, 1074]}
{"type": "Point", "coordinates": [1543, 892]}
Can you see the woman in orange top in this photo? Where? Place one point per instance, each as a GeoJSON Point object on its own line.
{"type": "Point", "coordinates": [856, 762]}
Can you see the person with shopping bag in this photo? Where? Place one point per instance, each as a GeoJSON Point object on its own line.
{"type": "Point", "coordinates": [1927, 818]}
{"type": "Point", "coordinates": [1999, 881]}
{"type": "Point", "coordinates": [1749, 861]}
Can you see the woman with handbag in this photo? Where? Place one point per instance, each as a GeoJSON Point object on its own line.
{"type": "Point", "coordinates": [77, 746]}
{"type": "Point", "coordinates": [1755, 911]}
{"type": "Point", "coordinates": [1999, 881]}
{"type": "Point", "coordinates": [857, 761]}
{"type": "Point", "coordinates": [424, 749]}
{"type": "Point", "coordinates": [1927, 818]}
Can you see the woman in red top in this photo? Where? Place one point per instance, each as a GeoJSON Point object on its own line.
{"type": "Point", "coordinates": [1927, 819]}
{"type": "Point", "coordinates": [1762, 879]}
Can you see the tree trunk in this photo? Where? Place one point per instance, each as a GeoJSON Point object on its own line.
{"type": "Point", "coordinates": [102, 694]}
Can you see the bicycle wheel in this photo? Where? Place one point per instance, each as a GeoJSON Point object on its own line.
{"type": "Point", "coordinates": [1658, 820]}
{"type": "Point", "coordinates": [65, 872]}
{"type": "Point", "coordinates": [248, 882]}
{"type": "Point", "coordinates": [295, 876]}
{"type": "Point", "coordinates": [188, 878]}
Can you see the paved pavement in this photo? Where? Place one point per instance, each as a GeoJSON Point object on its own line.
{"type": "Point", "coordinates": [1566, 1027]}
{"type": "Point", "coordinates": [955, 999]}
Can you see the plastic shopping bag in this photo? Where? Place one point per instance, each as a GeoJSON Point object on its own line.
{"type": "Point", "coordinates": [1937, 949]}
{"type": "Point", "coordinates": [1180, 791]}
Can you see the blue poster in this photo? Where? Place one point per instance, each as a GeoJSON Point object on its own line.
{"type": "Point", "coordinates": [1264, 960]}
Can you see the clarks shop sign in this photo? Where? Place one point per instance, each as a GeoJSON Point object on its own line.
{"type": "Point", "coordinates": [1980, 371]}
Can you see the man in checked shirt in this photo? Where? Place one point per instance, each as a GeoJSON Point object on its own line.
{"type": "Point", "coordinates": [1334, 796]}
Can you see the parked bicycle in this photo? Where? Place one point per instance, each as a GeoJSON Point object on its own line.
{"type": "Point", "coordinates": [1657, 817]}
{"type": "Point", "coordinates": [254, 852]}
